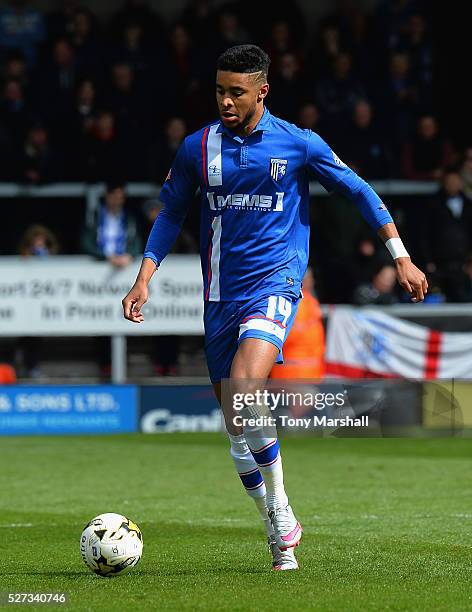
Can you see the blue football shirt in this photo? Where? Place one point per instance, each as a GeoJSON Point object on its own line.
{"type": "Point", "coordinates": [254, 231]}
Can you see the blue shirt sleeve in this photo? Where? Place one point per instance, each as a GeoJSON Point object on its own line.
{"type": "Point", "coordinates": [176, 195]}
{"type": "Point", "coordinates": [334, 175]}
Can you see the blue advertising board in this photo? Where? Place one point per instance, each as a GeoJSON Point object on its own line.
{"type": "Point", "coordinates": [68, 409]}
{"type": "Point", "coordinates": [177, 408]}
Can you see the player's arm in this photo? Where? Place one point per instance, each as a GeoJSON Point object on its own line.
{"type": "Point", "coordinates": [334, 175]}
{"type": "Point", "coordinates": [176, 194]}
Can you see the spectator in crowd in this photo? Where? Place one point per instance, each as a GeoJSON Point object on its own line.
{"type": "Point", "coordinates": [133, 51]}
{"type": "Point", "coordinates": [70, 129]}
{"type": "Point", "coordinates": [56, 82]}
{"type": "Point", "coordinates": [112, 233]}
{"type": "Point", "coordinates": [281, 42]}
{"type": "Point", "coordinates": [426, 155]}
{"type": "Point", "coordinates": [162, 153]}
{"type": "Point", "coordinates": [101, 153]}
{"type": "Point", "coordinates": [399, 97]}
{"type": "Point", "coordinates": [16, 68]}
{"type": "Point", "coordinates": [132, 114]}
{"type": "Point", "coordinates": [380, 290]}
{"type": "Point", "coordinates": [181, 68]}
{"type": "Point", "coordinates": [40, 242]}
{"type": "Point", "coordinates": [416, 43]}
{"type": "Point", "coordinates": [447, 239]}
{"type": "Point", "coordinates": [14, 116]}
{"type": "Point", "coordinates": [309, 117]}
{"type": "Point", "coordinates": [167, 348]}
{"type": "Point", "coordinates": [287, 88]}
{"type": "Point", "coordinates": [22, 27]}
{"type": "Point", "coordinates": [366, 145]}
{"type": "Point", "coordinates": [81, 119]}
{"type": "Point", "coordinates": [337, 94]}
{"type": "Point", "coordinates": [138, 11]}
{"type": "Point", "coordinates": [229, 31]}
{"type": "Point", "coordinates": [83, 37]}
{"type": "Point", "coordinates": [327, 46]}
{"type": "Point", "coordinates": [466, 172]}
{"type": "Point", "coordinates": [38, 163]}
{"type": "Point", "coordinates": [60, 21]}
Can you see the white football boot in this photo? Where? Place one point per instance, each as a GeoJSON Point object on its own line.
{"type": "Point", "coordinates": [281, 559]}
{"type": "Point", "coordinates": [287, 530]}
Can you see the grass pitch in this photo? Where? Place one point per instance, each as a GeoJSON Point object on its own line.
{"type": "Point", "coordinates": [388, 523]}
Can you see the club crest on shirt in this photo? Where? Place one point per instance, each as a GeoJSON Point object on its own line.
{"type": "Point", "coordinates": [278, 168]}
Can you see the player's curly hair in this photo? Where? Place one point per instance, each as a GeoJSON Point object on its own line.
{"type": "Point", "coordinates": [249, 59]}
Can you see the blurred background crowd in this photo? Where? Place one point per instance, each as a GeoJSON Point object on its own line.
{"type": "Point", "coordinates": [90, 99]}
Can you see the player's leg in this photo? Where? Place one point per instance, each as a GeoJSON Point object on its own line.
{"type": "Point", "coordinates": [245, 465]}
{"type": "Point", "coordinates": [262, 332]}
{"type": "Point", "coordinates": [221, 344]}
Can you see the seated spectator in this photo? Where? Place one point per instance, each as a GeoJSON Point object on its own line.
{"type": "Point", "coordinates": [132, 114]}
{"type": "Point", "coordinates": [337, 94]}
{"type": "Point", "coordinates": [56, 82]}
{"type": "Point", "coordinates": [287, 87]}
{"type": "Point", "coordinates": [101, 152]}
{"type": "Point", "coordinates": [426, 155]}
{"type": "Point", "coordinates": [229, 31]}
{"type": "Point", "coordinates": [447, 239]}
{"type": "Point", "coordinates": [38, 163]}
{"type": "Point", "coordinates": [281, 42]}
{"type": "Point", "coordinates": [37, 241]}
{"type": "Point", "coordinates": [88, 51]}
{"type": "Point", "coordinates": [381, 289]}
{"type": "Point", "coordinates": [112, 233]}
{"type": "Point", "coordinates": [308, 117]}
{"type": "Point", "coordinates": [162, 153]}
{"type": "Point", "coordinates": [15, 67]}
{"type": "Point", "coordinates": [14, 117]}
{"type": "Point", "coordinates": [366, 144]}
{"type": "Point", "coordinates": [22, 27]}
{"type": "Point", "coordinates": [138, 11]}
{"type": "Point", "coordinates": [133, 51]}
{"type": "Point", "coordinates": [327, 46]}
{"type": "Point", "coordinates": [397, 99]}
{"type": "Point", "coordinates": [416, 42]}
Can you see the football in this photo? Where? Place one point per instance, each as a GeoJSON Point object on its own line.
{"type": "Point", "coordinates": [111, 544]}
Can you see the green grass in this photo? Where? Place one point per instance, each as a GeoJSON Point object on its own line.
{"type": "Point", "coordinates": [388, 523]}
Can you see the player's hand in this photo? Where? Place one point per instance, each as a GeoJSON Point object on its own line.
{"type": "Point", "coordinates": [134, 301]}
{"type": "Point", "coordinates": [411, 278]}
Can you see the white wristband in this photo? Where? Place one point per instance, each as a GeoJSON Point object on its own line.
{"type": "Point", "coordinates": [396, 248]}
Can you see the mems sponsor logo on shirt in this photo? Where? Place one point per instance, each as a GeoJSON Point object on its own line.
{"type": "Point", "coordinates": [246, 201]}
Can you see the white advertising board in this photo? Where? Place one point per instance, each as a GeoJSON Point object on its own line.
{"type": "Point", "coordinates": [76, 296]}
